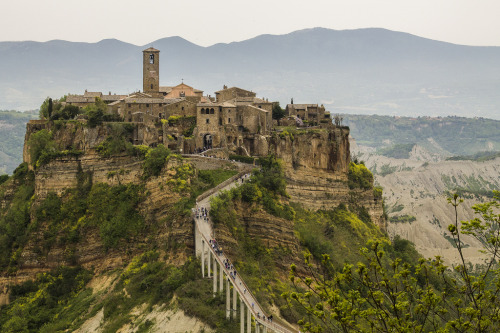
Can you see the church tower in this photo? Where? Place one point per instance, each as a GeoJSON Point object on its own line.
{"type": "Point", "coordinates": [151, 71]}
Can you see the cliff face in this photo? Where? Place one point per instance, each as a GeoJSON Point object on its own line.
{"type": "Point", "coordinates": [274, 233]}
{"type": "Point", "coordinates": [172, 229]}
{"type": "Point", "coordinates": [316, 170]}
{"type": "Point", "coordinates": [316, 164]}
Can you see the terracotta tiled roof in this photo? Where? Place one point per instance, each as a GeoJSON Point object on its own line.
{"type": "Point", "coordinates": [165, 89]}
{"type": "Point", "coordinates": [144, 100]}
{"type": "Point", "coordinates": [301, 106]}
{"type": "Point", "coordinates": [139, 95]}
{"type": "Point", "coordinates": [173, 100]}
{"type": "Point", "coordinates": [110, 98]}
{"type": "Point", "coordinates": [79, 99]}
{"type": "Point", "coordinates": [92, 94]}
{"type": "Point", "coordinates": [233, 88]}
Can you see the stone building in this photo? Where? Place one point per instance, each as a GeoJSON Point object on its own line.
{"type": "Point", "coordinates": [312, 113]}
{"type": "Point", "coordinates": [236, 119]}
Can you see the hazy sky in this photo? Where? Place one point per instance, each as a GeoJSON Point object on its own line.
{"type": "Point", "coordinates": [206, 22]}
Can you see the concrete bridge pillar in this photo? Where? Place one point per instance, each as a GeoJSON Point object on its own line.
{"type": "Point", "coordinates": [228, 299]}
{"type": "Point", "coordinates": [215, 276]}
{"type": "Point", "coordinates": [221, 280]}
{"type": "Point", "coordinates": [203, 258]}
{"type": "Point", "coordinates": [209, 260]}
{"type": "Point", "coordinates": [242, 316]}
{"type": "Point", "coordinates": [249, 321]}
{"type": "Point", "coordinates": [234, 302]}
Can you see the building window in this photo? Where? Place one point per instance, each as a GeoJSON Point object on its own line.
{"type": "Point", "coordinates": [182, 108]}
{"type": "Point", "coordinates": [202, 111]}
{"type": "Point", "coordinates": [208, 121]}
{"type": "Point", "coordinates": [129, 105]}
{"type": "Point", "coordinates": [229, 120]}
{"type": "Point", "coordinates": [147, 105]}
{"type": "Point", "coordinates": [151, 86]}
{"type": "Point", "coordinates": [151, 58]}
{"type": "Point", "coordinates": [212, 111]}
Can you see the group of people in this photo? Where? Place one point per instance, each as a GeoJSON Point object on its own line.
{"type": "Point", "coordinates": [263, 317]}
{"type": "Point", "coordinates": [202, 213]}
{"type": "Point", "coordinates": [216, 247]}
{"type": "Point", "coordinates": [230, 268]}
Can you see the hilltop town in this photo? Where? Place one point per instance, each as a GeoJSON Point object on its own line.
{"type": "Point", "coordinates": [186, 121]}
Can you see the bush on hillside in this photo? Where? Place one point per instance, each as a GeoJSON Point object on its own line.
{"type": "Point", "coordinates": [359, 177]}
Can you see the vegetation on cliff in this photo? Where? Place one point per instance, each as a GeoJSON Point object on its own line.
{"type": "Point", "coordinates": [359, 177]}
{"type": "Point", "coordinates": [61, 301]}
{"type": "Point", "coordinates": [15, 217]}
{"type": "Point", "coordinates": [338, 232]}
{"type": "Point", "coordinates": [95, 113]}
{"type": "Point", "coordinates": [389, 294]}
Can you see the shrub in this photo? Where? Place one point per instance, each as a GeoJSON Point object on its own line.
{"type": "Point", "coordinates": [95, 113]}
{"type": "Point", "coordinates": [41, 147]}
{"type": "Point", "coordinates": [114, 209]}
{"type": "Point", "coordinates": [66, 113]}
{"type": "Point", "coordinates": [3, 178]}
{"type": "Point", "coordinates": [154, 161]}
{"type": "Point", "coordinates": [359, 177]}
{"type": "Point", "coordinates": [241, 158]}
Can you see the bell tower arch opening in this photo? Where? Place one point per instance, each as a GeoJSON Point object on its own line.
{"type": "Point", "coordinates": [151, 71]}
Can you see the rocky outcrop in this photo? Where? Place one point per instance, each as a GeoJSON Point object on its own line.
{"type": "Point", "coordinates": [272, 232]}
{"type": "Point", "coordinates": [316, 165]}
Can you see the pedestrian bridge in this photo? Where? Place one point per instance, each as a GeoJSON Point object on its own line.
{"type": "Point", "coordinates": [213, 266]}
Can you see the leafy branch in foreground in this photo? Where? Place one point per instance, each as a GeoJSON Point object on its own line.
{"type": "Point", "coordinates": [385, 295]}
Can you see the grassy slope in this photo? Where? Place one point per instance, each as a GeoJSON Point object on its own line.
{"type": "Point", "coordinates": [59, 300]}
{"type": "Point", "coordinates": [338, 232]}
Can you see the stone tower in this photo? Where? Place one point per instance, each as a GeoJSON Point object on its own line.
{"type": "Point", "coordinates": [151, 71]}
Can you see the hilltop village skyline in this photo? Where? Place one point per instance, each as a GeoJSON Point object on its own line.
{"type": "Point", "coordinates": [234, 119]}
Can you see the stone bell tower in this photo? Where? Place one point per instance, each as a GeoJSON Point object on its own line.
{"type": "Point", "coordinates": [151, 71]}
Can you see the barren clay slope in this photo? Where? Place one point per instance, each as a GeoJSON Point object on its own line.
{"type": "Point", "coordinates": [416, 192]}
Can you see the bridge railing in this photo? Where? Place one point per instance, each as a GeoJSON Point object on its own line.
{"type": "Point", "coordinates": [274, 326]}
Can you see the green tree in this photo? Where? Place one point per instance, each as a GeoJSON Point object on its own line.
{"type": "Point", "coordinates": [50, 108]}
{"type": "Point", "coordinates": [95, 112]}
{"type": "Point", "coordinates": [278, 112]}
{"type": "Point", "coordinates": [385, 295]}
{"type": "Point", "coordinates": [155, 160]}
{"type": "Point", "coordinates": [41, 147]}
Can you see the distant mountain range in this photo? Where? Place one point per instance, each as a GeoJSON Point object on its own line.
{"type": "Point", "coordinates": [370, 71]}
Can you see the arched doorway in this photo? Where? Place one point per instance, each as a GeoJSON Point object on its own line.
{"type": "Point", "coordinates": [207, 141]}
